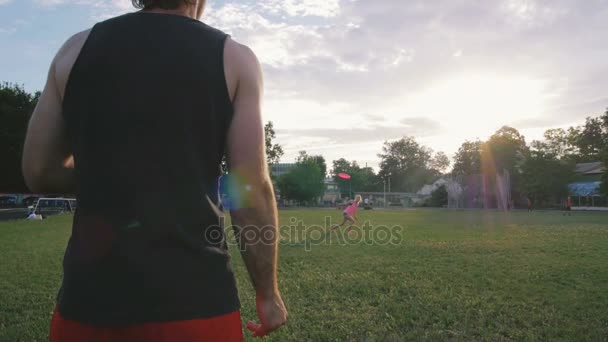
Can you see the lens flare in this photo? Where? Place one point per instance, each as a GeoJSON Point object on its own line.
{"type": "Point", "coordinates": [236, 191]}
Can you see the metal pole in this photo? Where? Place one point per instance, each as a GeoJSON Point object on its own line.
{"type": "Point", "coordinates": [389, 184]}
{"type": "Point", "coordinates": [384, 183]}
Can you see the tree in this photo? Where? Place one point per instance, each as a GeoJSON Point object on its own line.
{"type": "Point", "coordinates": [304, 183]}
{"type": "Point", "coordinates": [467, 161]}
{"type": "Point", "coordinates": [16, 107]}
{"type": "Point", "coordinates": [407, 164]}
{"type": "Point", "coordinates": [439, 197]}
{"type": "Point", "coordinates": [440, 162]}
{"type": "Point", "coordinates": [506, 150]}
{"type": "Point", "coordinates": [589, 140]}
{"type": "Point", "coordinates": [604, 184]}
{"type": "Point", "coordinates": [344, 166]}
{"type": "Point", "coordinates": [317, 159]}
{"type": "Point", "coordinates": [274, 151]}
{"type": "Point", "coordinates": [362, 179]}
{"type": "Point", "coordinates": [545, 177]}
{"type": "Point", "coordinates": [557, 143]}
{"type": "Point", "coordinates": [367, 180]}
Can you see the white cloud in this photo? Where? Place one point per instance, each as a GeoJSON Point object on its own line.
{"type": "Point", "coordinates": [320, 8]}
{"type": "Point", "coordinates": [4, 2]}
{"type": "Point", "coordinates": [469, 65]}
{"type": "Point", "coordinates": [276, 44]}
{"type": "Point", "coordinates": [526, 14]}
{"type": "Point", "coordinates": [100, 9]}
{"type": "Point", "coordinates": [53, 3]}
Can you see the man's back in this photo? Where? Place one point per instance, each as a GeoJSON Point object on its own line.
{"type": "Point", "coordinates": [147, 112]}
{"type": "Point", "coordinates": [150, 98]}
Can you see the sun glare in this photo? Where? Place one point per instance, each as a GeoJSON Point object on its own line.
{"type": "Point", "coordinates": [478, 104]}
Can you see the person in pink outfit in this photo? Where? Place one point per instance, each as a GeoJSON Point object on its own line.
{"type": "Point", "coordinates": [350, 214]}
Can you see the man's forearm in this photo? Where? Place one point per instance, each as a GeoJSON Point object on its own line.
{"type": "Point", "coordinates": [256, 230]}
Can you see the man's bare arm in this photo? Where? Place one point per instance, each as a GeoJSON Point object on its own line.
{"type": "Point", "coordinates": [48, 165]}
{"type": "Point", "coordinates": [256, 224]}
{"type": "Point", "coordinates": [46, 153]}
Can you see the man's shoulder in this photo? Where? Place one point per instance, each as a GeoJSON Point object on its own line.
{"type": "Point", "coordinates": [211, 29]}
{"type": "Point", "coordinates": [241, 56]}
{"type": "Point", "coordinates": [75, 40]}
{"type": "Point", "coordinates": [66, 57]}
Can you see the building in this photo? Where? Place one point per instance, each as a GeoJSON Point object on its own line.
{"type": "Point", "coordinates": [332, 193]}
{"type": "Point", "coordinates": [585, 190]}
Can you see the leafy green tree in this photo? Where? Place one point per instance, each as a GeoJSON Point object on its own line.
{"type": "Point", "coordinates": [467, 161]}
{"type": "Point", "coordinates": [274, 151]}
{"type": "Point", "coordinates": [407, 164]}
{"type": "Point", "coordinates": [362, 178]}
{"type": "Point", "coordinates": [304, 183]}
{"type": "Point", "coordinates": [506, 150]}
{"type": "Point", "coordinates": [557, 143]}
{"type": "Point", "coordinates": [589, 140]}
{"type": "Point", "coordinates": [344, 166]}
{"type": "Point", "coordinates": [440, 162]}
{"type": "Point", "coordinates": [604, 185]}
{"type": "Point", "coordinates": [439, 197]}
{"type": "Point", "coordinates": [317, 159]}
{"type": "Point", "coordinates": [545, 177]}
{"type": "Point", "coordinates": [16, 107]}
{"type": "Point", "coordinates": [367, 180]}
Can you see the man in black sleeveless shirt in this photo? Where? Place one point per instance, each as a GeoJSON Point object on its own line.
{"type": "Point", "coordinates": [135, 118]}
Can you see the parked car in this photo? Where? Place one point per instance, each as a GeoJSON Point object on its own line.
{"type": "Point", "coordinates": [52, 206]}
{"type": "Point", "coordinates": [8, 201]}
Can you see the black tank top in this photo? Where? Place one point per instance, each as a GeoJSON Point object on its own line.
{"type": "Point", "coordinates": [147, 111]}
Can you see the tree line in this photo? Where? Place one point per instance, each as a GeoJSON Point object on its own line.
{"type": "Point", "coordinates": [539, 170]}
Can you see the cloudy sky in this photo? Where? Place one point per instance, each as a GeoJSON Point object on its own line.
{"type": "Point", "coordinates": [343, 76]}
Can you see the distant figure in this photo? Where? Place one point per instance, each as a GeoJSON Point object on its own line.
{"type": "Point", "coordinates": [350, 214]}
{"type": "Point", "coordinates": [148, 108]}
{"type": "Point", "coordinates": [530, 204]}
{"type": "Point", "coordinates": [33, 216]}
{"type": "Point", "coordinates": [568, 208]}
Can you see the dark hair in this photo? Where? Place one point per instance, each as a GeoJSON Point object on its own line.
{"type": "Point", "coordinates": [164, 4]}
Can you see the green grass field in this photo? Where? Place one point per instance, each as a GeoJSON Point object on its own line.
{"type": "Point", "coordinates": [452, 276]}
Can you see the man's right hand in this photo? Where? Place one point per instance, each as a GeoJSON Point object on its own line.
{"type": "Point", "coordinates": [272, 314]}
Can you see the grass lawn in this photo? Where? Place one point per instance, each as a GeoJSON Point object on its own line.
{"type": "Point", "coordinates": [447, 276]}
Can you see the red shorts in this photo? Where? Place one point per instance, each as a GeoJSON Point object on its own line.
{"type": "Point", "coordinates": [222, 328]}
